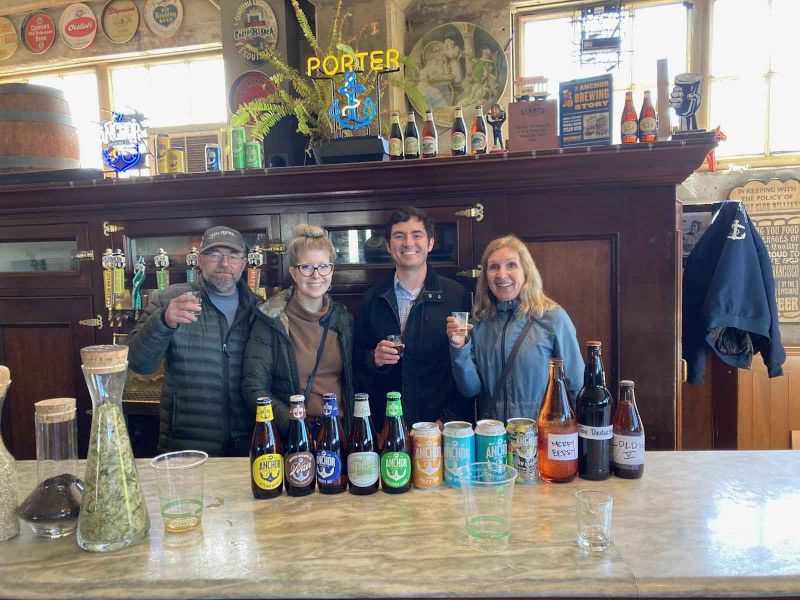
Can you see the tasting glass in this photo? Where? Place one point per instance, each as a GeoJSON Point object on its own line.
{"type": "Point", "coordinates": [487, 491]}
{"type": "Point", "coordinates": [593, 510]}
{"type": "Point", "coordinates": [397, 341]}
{"type": "Point", "coordinates": [180, 488]}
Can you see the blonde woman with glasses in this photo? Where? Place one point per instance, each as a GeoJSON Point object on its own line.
{"type": "Point", "coordinates": [301, 340]}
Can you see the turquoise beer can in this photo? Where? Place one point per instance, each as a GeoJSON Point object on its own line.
{"type": "Point", "coordinates": [491, 444]}
{"type": "Point", "coordinates": [459, 450]}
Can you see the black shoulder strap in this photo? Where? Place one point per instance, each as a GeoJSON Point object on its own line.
{"type": "Point", "coordinates": [320, 350]}
{"type": "Point", "coordinates": [509, 363]}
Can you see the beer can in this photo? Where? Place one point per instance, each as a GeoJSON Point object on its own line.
{"type": "Point", "coordinates": [426, 458]}
{"type": "Point", "coordinates": [490, 442]}
{"type": "Point", "coordinates": [213, 157]}
{"type": "Point", "coordinates": [176, 160]}
{"type": "Point", "coordinates": [252, 153]}
{"type": "Point", "coordinates": [459, 450]}
{"type": "Point", "coordinates": [522, 449]}
{"type": "Point", "coordinates": [238, 140]}
{"type": "Point", "coordinates": [162, 152]}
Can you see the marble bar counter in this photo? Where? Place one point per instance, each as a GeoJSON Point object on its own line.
{"type": "Point", "coordinates": [699, 524]}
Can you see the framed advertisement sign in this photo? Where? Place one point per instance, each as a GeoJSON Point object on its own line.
{"type": "Point", "coordinates": [8, 38]}
{"type": "Point", "coordinates": [78, 26]}
{"type": "Point", "coordinates": [163, 17]}
{"type": "Point", "coordinates": [585, 110]}
{"type": "Point", "coordinates": [38, 32]}
{"type": "Point", "coordinates": [120, 20]}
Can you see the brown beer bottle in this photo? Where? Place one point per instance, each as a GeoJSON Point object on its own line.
{"type": "Point", "coordinates": [363, 462]}
{"type": "Point", "coordinates": [266, 454]}
{"type": "Point", "coordinates": [627, 446]}
{"type": "Point", "coordinates": [629, 127]}
{"type": "Point", "coordinates": [300, 464]}
{"type": "Point", "coordinates": [411, 138]}
{"type": "Point", "coordinates": [395, 448]}
{"type": "Point", "coordinates": [430, 139]}
{"type": "Point", "coordinates": [648, 123]}
{"type": "Point", "coordinates": [331, 449]}
{"type": "Point", "coordinates": [458, 134]}
{"type": "Point", "coordinates": [558, 430]}
{"type": "Point", "coordinates": [477, 139]}
{"type": "Point", "coordinates": [396, 138]}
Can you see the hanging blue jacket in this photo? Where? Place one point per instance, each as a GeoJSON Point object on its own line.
{"type": "Point", "coordinates": [729, 297]}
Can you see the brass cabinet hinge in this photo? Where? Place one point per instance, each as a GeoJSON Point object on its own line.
{"type": "Point", "coordinates": [97, 322]}
{"type": "Point", "coordinates": [109, 228]}
{"type": "Point", "coordinates": [470, 273]}
{"type": "Point", "coordinates": [83, 255]}
{"type": "Point", "coordinates": [475, 212]}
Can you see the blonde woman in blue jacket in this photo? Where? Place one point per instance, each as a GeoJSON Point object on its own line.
{"type": "Point", "coordinates": [509, 294]}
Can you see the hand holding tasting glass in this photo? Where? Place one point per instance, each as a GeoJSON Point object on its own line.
{"type": "Point", "coordinates": [458, 328]}
{"type": "Point", "coordinates": [183, 310]}
{"type": "Point", "coordinates": [593, 511]}
{"type": "Point", "coordinates": [389, 351]}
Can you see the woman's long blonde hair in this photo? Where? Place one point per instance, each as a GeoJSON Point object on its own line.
{"type": "Point", "coordinates": [533, 301]}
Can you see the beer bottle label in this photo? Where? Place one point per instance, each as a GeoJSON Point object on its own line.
{"type": "Point", "coordinates": [628, 128]}
{"type": "Point", "coordinates": [411, 145]}
{"type": "Point", "coordinates": [427, 471]}
{"type": "Point", "coordinates": [627, 451]}
{"type": "Point", "coordinates": [264, 413]}
{"type": "Point", "coordinates": [458, 141]}
{"type": "Point", "coordinates": [592, 432]}
{"type": "Point", "coordinates": [395, 146]}
{"type": "Point", "coordinates": [394, 408]}
{"type": "Point", "coordinates": [478, 140]}
{"type": "Point", "coordinates": [562, 446]}
{"type": "Point", "coordinates": [268, 471]}
{"type": "Point", "coordinates": [395, 469]}
{"type": "Point", "coordinates": [429, 145]}
{"type": "Point", "coordinates": [300, 468]}
{"type": "Point", "coordinates": [361, 409]}
{"type": "Point", "coordinates": [297, 411]}
{"type": "Point", "coordinates": [330, 408]}
{"type": "Point", "coordinates": [647, 125]}
{"type": "Point", "coordinates": [329, 466]}
{"type": "Point", "coordinates": [363, 468]}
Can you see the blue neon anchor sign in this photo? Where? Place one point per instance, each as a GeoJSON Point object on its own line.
{"type": "Point", "coordinates": [348, 116]}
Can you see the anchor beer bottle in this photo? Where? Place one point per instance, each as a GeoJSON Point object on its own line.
{"type": "Point", "coordinates": [300, 464]}
{"type": "Point", "coordinates": [266, 454]}
{"type": "Point", "coordinates": [458, 134]}
{"type": "Point", "coordinates": [648, 123]}
{"type": "Point", "coordinates": [363, 462]}
{"type": "Point", "coordinates": [396, 138]}
{"type": "Point", "coordinates": [411, 138]}
{"type": "Point", "coordinates": [629, 127]}
{"type": "Point", "coordinates": [593, 406]}
{"type": "Point", "coordinates": [331, 449]}
{"type": "Point", "coordinates": [558, 430]}
{"type": "Point", "coordinates": [627, 455]}
{"type": "Point", "coordinates": [477, 139]}
{"type": "Point", "coordinates": [430, 139]}
{"type": "Point", "coordinates": [395, 448]}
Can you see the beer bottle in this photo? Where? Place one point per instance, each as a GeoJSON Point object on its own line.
{"type": "Point", "coordinates": [331, 449]}
{"type": "Point", "coordinates": [458, 134]}
{"type": "Point", "coordinates": [648, 123]}
{"type": "Point", "coordinates": [558, 430]}
{"type": "Point", "coordinates": [593, 406]}
{"type": "Point", "coordinates": [396, 138]}
{"type": "Point", "coordinates": [395, 448]}
{"type": "Point", "coordinates": [627, 456]}
{"type": "Point", "coordinates": [630, 123]}
{"type": "Point", "coordinates": [430, 139]}
{"type": "Point", "coordinates": [300, 465]}
{"type": "Point", "coordinates": [477, 139]}
{"type": "Point", "coordinates": [363, 462]}
{"type": "Point", "coordinates": [411, 138]}
{"type": "Point", "coordinates": [266, 454]}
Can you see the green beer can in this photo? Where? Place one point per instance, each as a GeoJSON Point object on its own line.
{"type": "Point", "coordinates": [252, 151]}
{"type": "Point", "coordinates": [238, 141]}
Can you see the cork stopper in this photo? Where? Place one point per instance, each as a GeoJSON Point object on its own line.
{"type": "Point", "coordinates": [5, 380]}
{"type": "Point", "coordinates": [104, 359]}
{"type": "Point", "coordinates": [55, 410]}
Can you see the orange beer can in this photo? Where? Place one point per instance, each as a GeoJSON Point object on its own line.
{"type": "Point", "coordinates": [427, 465]}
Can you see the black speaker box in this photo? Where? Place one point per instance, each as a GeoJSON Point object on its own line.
{"type": "Point", "coordinates": [284, 147]}
{"type": "Point", "coordinates": [364, 148]}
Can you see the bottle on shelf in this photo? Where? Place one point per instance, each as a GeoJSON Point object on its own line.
{"type": "Point", "coordinates": [458, 134]}
{"type": "Point", "coordinates": [627, 446]}
{"type": "Point", "coordinates": [477, 139]}
{"type": "Point", "coordinates": [411, 138]}
{"type": "Point", "coordinates": [558, 430]}
{"type": "Point", "coordinates": [396, 138]}
{"type": "Point", "coordinates": [593, 407]}
{"type": "Point", "coordinates": [629, 127]}
{"type": "Point", "coordinates": [430, 139]}
{"type": "Point", "coordinates": [648, 121]}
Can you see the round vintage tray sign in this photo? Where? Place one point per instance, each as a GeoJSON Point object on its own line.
{"type": "Point", "coordinates": [38, 32]}
{"type": "Point", "coordinates": [249, 86]}
{"type": "Point", "coordinates": [163, 17]}
{"type": "Point", "coordinates": [120, 20]}
{"type": "Point", "coordinates": [78, 26]}
{"type": "Point", "coordinates": [255, 30]}
{"type": "Point", "coordinates": [8, 38]}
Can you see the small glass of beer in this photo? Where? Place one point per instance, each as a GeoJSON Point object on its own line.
{"type": "Point", "coordinates": [397, 341]}
{"type": "Point", "coordinates": [463, 322]}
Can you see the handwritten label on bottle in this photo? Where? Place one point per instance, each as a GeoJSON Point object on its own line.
{"type": "Point", "coordinates": [562, 446]}
{"type": "Point", "coordinates": [627, 450]}
{"type": "Point", "coordinates": [591, 432]}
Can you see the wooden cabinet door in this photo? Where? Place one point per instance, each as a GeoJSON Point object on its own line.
{"type": "Point", "coordinates": [40, 342]}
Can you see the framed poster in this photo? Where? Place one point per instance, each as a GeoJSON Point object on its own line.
{"type": "Point", "coordinates": [693, 226]}
{"type": "Point", "coordinates": [585, 111]}
{"type": "Point", "coordinates": [38, 32]}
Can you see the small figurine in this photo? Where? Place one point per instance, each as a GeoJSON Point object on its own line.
{"type": "Point", "coordinates": [496, 118]}
{"type": "Point", "coordinates": [685, 99]}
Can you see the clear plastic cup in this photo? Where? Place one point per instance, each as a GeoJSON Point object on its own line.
{"type": "Point", "coordinates": [180, 488]}
{"type": "Point", "coordinates": [487, 491]}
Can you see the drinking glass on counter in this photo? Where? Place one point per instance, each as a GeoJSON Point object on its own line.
{"type": "Point", "coordinates": [487, 491]}
{"type": "Point", "coordinates": [180, 488]}
{"type": "Point", "coordinates": [593, 510]}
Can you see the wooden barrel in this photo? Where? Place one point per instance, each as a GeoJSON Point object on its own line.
{"type": "Point", "coordinates": [36, 129]}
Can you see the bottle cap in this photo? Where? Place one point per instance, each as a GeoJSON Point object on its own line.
{"type": "Point", "coordinates": [264, 401]}
{"type": "Point", "coordinates": [297, 398]}
{"type": "Point", "coordinates": [393, 396]}
{"type": "Point", "coordinates": [55, 410]}
{"type": "Point", "coordinates": [626, 383]}
{"type": "Point", "coordinates": [594, 343]}
{"type": "Point", "coordinates": [361, 397]}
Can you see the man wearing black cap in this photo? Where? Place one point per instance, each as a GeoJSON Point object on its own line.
{"type": "Point", "coordinates": [202, 343]}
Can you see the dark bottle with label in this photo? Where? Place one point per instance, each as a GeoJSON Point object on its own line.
{"type": "Point", "coordinates": [648, 121]}
{"type": "Point", "coordinates": [593, 406]}
{"type": "Point", "coordinates": [430, 137]}
{"type": "Point", "coordinates": [363, 462]}
{"type": "Point", "coordinates": [478, 141]}
{"type": "Point", "coordinates": [558, 430]}
{"type": "Point", "coordinates": [331, 449]}
{"type": "Point", "coordinates": [395, 448]}
{"type": "Point", "coordinates": [300, 464]}
{"type": "Point", "coordinates": [629, 124]}
{"type": "Point", "coordinates": [266, 454]}
{"type": "Point", "coordinates": [627, 456]}
{"type": "Point", "coordinates": [458, 134]}
{"type": "Point", "coordinates": [396, 138]}
{"type": "Point", "coordinates": [411, 138]}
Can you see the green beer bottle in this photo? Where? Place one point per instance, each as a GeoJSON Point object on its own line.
{"type": "Point", "coordinates": [395, 447]}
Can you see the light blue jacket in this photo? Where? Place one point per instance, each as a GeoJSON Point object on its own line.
{"type": "Point", "coordinates": [478, 365]}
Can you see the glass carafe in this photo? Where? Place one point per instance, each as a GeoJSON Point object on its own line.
{"type": "Point", "coordinates": [52, 508]}
{"type": "Point", "coordinates": [9, 524]}
{"type": "Point", "coordinates": [113, 512]}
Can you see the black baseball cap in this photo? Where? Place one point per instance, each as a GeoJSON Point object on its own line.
{"type": "Point", "coordinates": [221, 236]}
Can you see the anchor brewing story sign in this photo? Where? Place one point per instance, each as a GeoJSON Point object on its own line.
{"type": "Point", "coordinates": [774, 207]}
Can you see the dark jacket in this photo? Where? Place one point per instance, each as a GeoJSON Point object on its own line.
{"type": "Point", "coordinates": [729, 297]}
{"type": "Point", "coordinates": [423, 376]}
{"type": "Point", "coordinates": [270, 363]}
{"type": "Point", "coordinates": [201, 400]}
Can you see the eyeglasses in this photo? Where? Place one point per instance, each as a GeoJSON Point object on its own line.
{"type": "Point", "coordinates": [216, 257]}
{"type": "Point", "coordinates": [307, 270]}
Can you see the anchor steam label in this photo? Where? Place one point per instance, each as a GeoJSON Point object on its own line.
{"type": "Point", "coordinates": [255, 31]}
{"type": "Point", "coordinates": [78, 26]}
{"type": "Point", "coordinates": [163, 17]}
{"type": "Point", "coordinates": [329, 466]}
{"type": "Point", "coordinates": [268, 471]}
{"type": "Point", "coordinates": [395, 469]}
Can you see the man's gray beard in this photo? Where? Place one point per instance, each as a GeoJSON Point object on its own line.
{"type": "Point", "coordinates": [219, 286]}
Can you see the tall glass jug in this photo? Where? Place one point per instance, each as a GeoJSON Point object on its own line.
{"type": "Point", "coordinates": [9, 524]}
{"type": "Point", "coordinates": [113, 511]}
